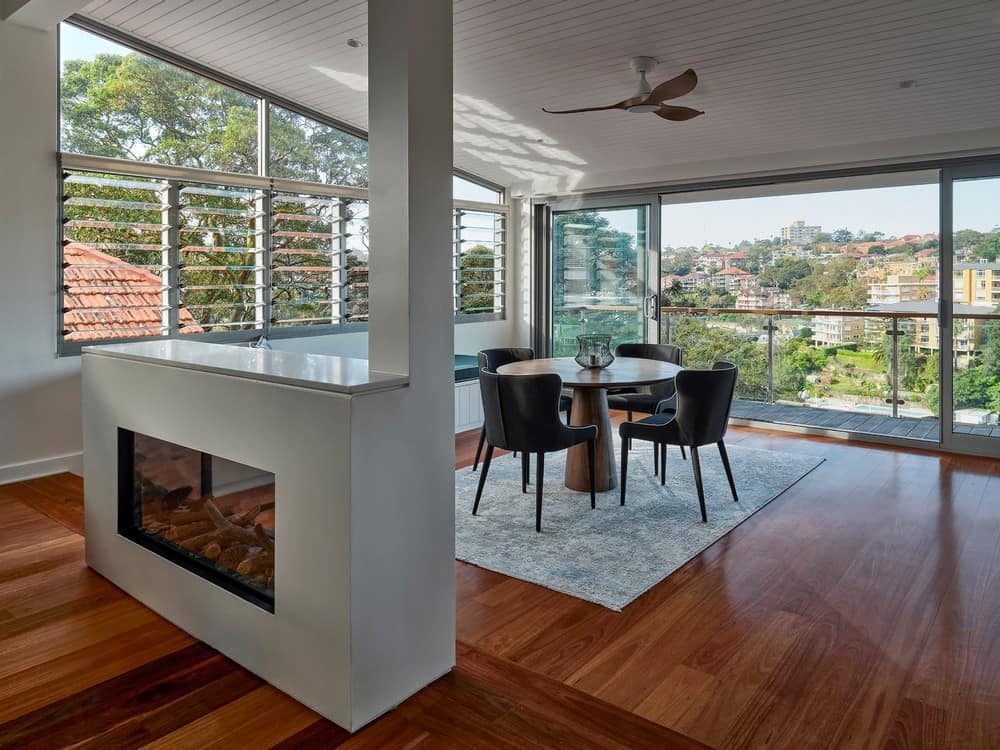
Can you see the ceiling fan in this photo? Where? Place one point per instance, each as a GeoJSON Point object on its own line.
{"type": "Point", "coordinates": [649, 99]}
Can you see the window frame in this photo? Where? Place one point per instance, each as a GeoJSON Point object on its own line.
{"type": "Point", "coordinates": [261, 181]}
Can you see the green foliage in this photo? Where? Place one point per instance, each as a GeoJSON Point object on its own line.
{"type": "Point", "coordinates": [704, 342]}
{"type": "Point", "coordinates": [785, 272]}
{"type": "Point", "coordinates": [971, 388]}
{"type": "Point", "coordinates": [833, 285]}
{"type": "Point", "coordinates": [477, 288]}
{"type": "Point", "coordinates": [136, 107]}
{"type": "Point", "coordinates": [842, 236]}
{"type": "Point", "coordinates": [988, 248]}
{"type": "Point", "coordinates": [991, 348]}
{"type": "Point", "coordinates": [303, 149]}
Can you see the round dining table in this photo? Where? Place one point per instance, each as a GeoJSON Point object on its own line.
{"type": "Point", "coordinates": [590, 406]}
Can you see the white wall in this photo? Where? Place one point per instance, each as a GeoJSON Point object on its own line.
{"type": "Point", "coordinates": [39, 394]}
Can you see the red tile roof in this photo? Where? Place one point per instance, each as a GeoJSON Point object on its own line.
{"type": "Point", "coordinates": [105, 297]}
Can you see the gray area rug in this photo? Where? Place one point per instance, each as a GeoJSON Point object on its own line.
{"type": "Point", "coordinates": [613, 554]}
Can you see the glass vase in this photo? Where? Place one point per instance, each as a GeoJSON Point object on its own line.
{"type": "Point", "coordinates": [595, 350]}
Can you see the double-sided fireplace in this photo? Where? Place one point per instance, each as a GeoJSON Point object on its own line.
{"type": "Point", "coordinates": [212, 516]}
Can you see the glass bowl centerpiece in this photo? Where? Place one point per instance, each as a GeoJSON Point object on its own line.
{"type": "Point", "coordinates": [595, 350]}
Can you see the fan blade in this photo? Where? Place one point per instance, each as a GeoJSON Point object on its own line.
{"type": "Point", "coordinates": [677, 114]}
{"type": "Point", "coordinates": [675, 87]}
{"type": "Point", "coordinates": [625, 104]}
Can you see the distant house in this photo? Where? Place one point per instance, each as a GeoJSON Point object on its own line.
{"type": "Point", "coordinates": [733, 279]}
{"type": "Point", "coordinates": [763, 298]}
{"type": "Point", "coordinates": [105, 297]}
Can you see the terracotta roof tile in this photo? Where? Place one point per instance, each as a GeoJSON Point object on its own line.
{"type": "Point", "coordinates": [106, 297]}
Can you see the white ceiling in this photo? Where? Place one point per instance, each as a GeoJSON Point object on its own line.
{"type": "Point", "coordinates": [784, 83]}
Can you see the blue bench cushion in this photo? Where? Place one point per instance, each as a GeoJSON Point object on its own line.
{"type": "Point", "coordinates": [466, 367]}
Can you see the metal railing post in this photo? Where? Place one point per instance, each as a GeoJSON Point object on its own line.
{"type": "Point", "coordinates": [770, 358]}
{"type": "Point", "coordinates": [895, 367]}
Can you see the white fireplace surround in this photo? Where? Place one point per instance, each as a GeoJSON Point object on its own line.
{"type": "Point", "coordinates": [364, 577]}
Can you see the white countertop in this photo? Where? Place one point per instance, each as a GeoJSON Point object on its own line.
{"type": "Point", "coordinates": [335, 374]}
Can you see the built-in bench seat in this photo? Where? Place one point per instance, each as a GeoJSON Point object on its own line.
{"type": "Point", "coordinates": [468, 404]}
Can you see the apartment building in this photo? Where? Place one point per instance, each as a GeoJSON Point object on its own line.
{"type": "Point", "coordinates": [901, 288]}
{"type": "Point", "coordinates": [977, 283]}
{"type": "Point", "coordinates": [834, 330]}
{"type": "Point", "coordinates": [799, 233]}
{"type": "Point", "coordinates": [755, 297]}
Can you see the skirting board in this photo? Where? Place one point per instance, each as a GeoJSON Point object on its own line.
{"type": "Point", "coordinates": [71, 462]}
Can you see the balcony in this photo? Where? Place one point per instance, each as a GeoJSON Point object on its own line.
{"type": "Point", "coordinates": [860, 372]}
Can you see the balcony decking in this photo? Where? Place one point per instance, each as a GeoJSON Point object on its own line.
{"type": "Point", "coordinates": [925, 428]}
{"type": "Point", "coordinates": [835, 419]}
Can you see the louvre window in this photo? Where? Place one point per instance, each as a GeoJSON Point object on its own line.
{"type": "Point", "coordinates": [175, 224]}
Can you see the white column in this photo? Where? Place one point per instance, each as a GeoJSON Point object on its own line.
{"type": "Point", "coordinates": [411, 325]}
{"type": "Point", "coordinates": [403, 442]}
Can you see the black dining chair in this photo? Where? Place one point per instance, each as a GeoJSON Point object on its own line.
{"type": "Point", "coordinates": [648, 399]}
{"type": "Point", "coordinates": [493, 359]}
{"type": "Point", "coordinates": [522, 414]}
{"type": "Point", "coordinates": [704, 398]}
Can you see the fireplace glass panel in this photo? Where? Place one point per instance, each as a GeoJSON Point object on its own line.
{"type": "Point", "coordinates": [211, 515]}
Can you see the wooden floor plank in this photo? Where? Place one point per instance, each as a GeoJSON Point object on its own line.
{"type": "Point", "coordinates": [859, 609]}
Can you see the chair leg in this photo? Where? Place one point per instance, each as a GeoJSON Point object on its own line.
{"type": "Point", "coordinates": [729, 470]}
{"type": "Point", "coordinates": [625, 443]}
{"type": "Point", "coordinates": [684, 454]}
{"type": "Point", "coordinates": [538, 491]}
{"type": "Point", "coordinates": [656, 459]}
{"type": "Point", "coordinates": [663, 464]}
{"type": "Point", "coordinates": [479, 448]}
{"type": "Point", "coordinates": [525, 469]}
{"type": "Point", "coordinates": [569, 412]}
{"type": "Point", "coordinates": [482, 477]}
{"type": "Point", "coordinates": [697, 480]}
{"type": "Point", "coordinates": [590, 469]}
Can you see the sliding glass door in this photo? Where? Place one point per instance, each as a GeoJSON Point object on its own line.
{"type": "Point", "coordinates": [602, 273]}
{"type": "Point", "coordinates": [970, 331]}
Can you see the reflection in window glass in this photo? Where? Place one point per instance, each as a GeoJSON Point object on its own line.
{"type": "Point", "coordinates": [119, 103]}
{"type": "Point", "coordinates": [303, 149]}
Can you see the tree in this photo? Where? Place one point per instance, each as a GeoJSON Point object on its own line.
{"type": "Point", "coordinates": [785, 272]}
{"type": "Point", "coordinates": [971, 388]}
{"type": "Point", "coordinates": [987, 248]}
{"type": "Point", "coordinates": [478, 284]}
{"type": "Point", "coordinates": [842, 236]}
{"type": "Point", "coordinates": [137, 107]}
{"type": "Point", "coordinates": [991, 348]}
{"type": "Point", "coordinates": [704, 343]}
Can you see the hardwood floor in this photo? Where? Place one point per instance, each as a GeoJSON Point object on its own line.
{"type": "Point", "coordinates": [859, 609]}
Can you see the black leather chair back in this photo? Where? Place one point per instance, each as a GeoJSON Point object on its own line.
{"type": "Point", "coordinates": [661, 352]}
{"type": "Point", "coordinates": [704, 398]}
{"type": "Point", "coordinates": [522, 412]}
{"type": "Point", "coordinates": [493, 359]}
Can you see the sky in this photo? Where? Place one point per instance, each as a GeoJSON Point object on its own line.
{"type": "Point", "coordinates": [911, 209]}
{"type": "Point", "coordinates": [77, 44]}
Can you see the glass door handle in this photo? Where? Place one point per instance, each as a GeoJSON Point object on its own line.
{"type": "Point", "coordinates": [651, 307]}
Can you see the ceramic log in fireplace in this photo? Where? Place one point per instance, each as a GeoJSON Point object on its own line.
{"type": "Point", "coordinates": [211, 516]}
